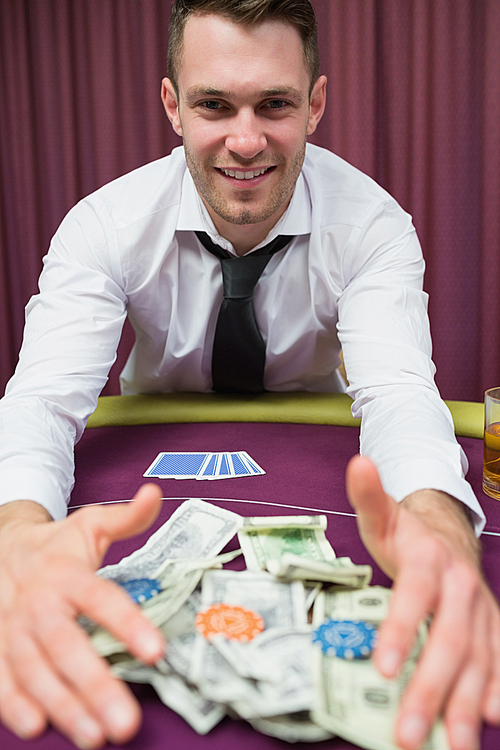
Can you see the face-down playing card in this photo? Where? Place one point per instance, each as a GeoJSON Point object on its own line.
{"type": "Point", "coordinates": [203, 466]}
{"type": "Point", "coordinates": [177, 465]}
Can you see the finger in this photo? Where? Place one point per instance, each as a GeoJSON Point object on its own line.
{"type": "Point", "coordinates": [443, 658]}
{"type": "Point", "coordinates": [464, 707]}
{"type": "Point", "coordinates": [367, 496]}
{"type": "Point", "coordinates": [491, 712]}
{"type": "Point", "coordinates": [376, 511]}
{"type": "Point", "coordinates": [38, 678]}
{"type": "Point", "coordinates": [17, 711]}
{"type": "Point", "coordinates": [415, 594]}
{"type": "Point", "coordinates": [121, 521]}
{"type": "Point", "coordinates": [106, 603]}
{"type": "Point", "coordinates": [88, 675]}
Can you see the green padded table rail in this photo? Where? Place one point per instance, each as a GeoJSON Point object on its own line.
{"type": "Point", "coordinates": [298, 407]}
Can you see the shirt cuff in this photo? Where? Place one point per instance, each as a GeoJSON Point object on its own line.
{"type": "Point", "coordinates": [30, 484]}
{"type": "Point", "coordinates": [422, 475]}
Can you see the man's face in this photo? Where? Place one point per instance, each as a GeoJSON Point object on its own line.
{"type": "Point", "coordinates": [243, 111]}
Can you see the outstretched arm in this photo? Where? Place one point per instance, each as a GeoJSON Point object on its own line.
{"type": "Point", "coordinates": [427, 545]}
{"type": "Point", "coordinates": [49, 671]}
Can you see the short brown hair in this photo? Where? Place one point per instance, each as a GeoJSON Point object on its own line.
{"type": "Point", "coordinates": [298, 13]}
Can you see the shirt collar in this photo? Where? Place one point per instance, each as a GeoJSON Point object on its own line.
{"type": "Point", "coordinates": [194, 217]}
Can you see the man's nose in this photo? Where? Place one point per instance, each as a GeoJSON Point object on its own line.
{"type": "Point", "coordinates": [246, 137]}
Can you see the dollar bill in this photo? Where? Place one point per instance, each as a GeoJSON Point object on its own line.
{"type": "Point", "coordinates": [277, 603]}
{"type": "Point", "coordinates": [201, 714]}
{"type": "Point", "coordinates": [178, 579]}
{"type": "Point", "coordinates": [264, 540]}
{"type": "Point", "coordinates": [180, 633]}
{"type": "Point", "coordinates": [197, 529]}
{"type": "Point", "coordinates": [370, 604]}
{"type": "Point", "coordinates": [341, 570]}
{"type": "Point", "coordinates": [291, 728]}
{"type": "Point", "coordinates": [289, 687]}
{"type": "Point", "coordinates": [280, 682]}
{"type": "Point", "coordinates": [356, 702]}
{"type": "Point", "coordinates": [282, 522]}
{"type": "Point", "coordinates": [353, 699]}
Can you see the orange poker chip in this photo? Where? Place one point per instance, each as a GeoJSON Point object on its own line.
{"type": "Point", "coordinates": [232, 621]}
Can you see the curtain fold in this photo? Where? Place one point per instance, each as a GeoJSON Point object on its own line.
{"type": "Point", "coordinates": [413, 100]}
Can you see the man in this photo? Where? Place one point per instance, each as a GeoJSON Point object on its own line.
{"type": "Point", "coordinates": [244, 93]}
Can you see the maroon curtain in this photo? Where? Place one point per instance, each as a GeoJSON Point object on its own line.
{"type": "Point", "coordinates": [414, 101]}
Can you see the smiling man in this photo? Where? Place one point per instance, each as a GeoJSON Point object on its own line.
{"type": "Point", "coordinates": [245, 137]}
{"type": "Point", "coordinates": [338, 263]}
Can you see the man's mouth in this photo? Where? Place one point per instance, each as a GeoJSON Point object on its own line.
{"type": "Point", "coordinates": [244, 175]}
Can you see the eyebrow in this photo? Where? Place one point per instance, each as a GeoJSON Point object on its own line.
{"type": "Point", "coordinates": [279, 91]}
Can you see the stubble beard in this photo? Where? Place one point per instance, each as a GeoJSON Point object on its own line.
{"type": "Point", "coordinates": [235, 212]}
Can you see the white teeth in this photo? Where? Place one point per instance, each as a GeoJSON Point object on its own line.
{"type": "Point", "coordinates": [243, 175]}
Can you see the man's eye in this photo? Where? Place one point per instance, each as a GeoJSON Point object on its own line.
{"type": "Point", "coordinates": [277, 104]}
{"type": "Point", "coordinates": [211, 105]}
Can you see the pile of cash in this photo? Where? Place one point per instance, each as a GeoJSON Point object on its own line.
{"type": "Point", "coordinates": [279, 680]}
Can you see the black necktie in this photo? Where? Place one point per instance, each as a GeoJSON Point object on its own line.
{"type": "Point", "coordinates": [239, 352]}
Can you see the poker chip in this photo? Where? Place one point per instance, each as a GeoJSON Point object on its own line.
{"type": "Point", "coordinates": [141, 589]}
{"type": "Point", "coordinates": [347, 639]}
{"type": "Point", "coordinates": [229, 620]}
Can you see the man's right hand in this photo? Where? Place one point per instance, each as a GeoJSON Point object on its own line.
{"type": "Point", "coordinates": [49, 671]}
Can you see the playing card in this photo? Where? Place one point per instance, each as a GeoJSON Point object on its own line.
{"type": "Point", "coordinates": [253, 465]}
{"type": "Point", "coordinates": [171, 465]}
{"type": "Point", "coordinates": [203, 465]}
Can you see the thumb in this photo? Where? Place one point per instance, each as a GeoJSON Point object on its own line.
{"type": "Point", "coordinates": [109, 523]}
{"type": "Point", "coordinates": [375, 509]}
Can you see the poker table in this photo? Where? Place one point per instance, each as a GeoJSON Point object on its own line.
{"type": "Point", "coordinates": [304, 442]}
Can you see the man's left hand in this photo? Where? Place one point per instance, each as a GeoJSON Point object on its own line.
{"type": "Point", "coordinates": [427, 545]}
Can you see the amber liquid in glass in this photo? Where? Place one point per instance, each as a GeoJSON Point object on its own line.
{"type": "Point", "coordinates": [491, 463]}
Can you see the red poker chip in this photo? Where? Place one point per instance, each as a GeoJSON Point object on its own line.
{"type": "Point", "coordinates": [229, 620]}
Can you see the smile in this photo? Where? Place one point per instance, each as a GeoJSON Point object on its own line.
{"type": "Point", "coordinates": [239, 175]}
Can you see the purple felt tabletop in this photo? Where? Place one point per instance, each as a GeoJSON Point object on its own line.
{"type": "Point", "coordinates": [305, 469]}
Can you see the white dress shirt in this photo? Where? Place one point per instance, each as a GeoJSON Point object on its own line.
{"type": "Point", "coordinates": [352, 276]}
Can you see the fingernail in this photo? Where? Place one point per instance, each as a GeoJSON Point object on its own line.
{"type": "Point", "coordinates": [493, 709]}
{"type": "Point", "coordinates": [28, 725]}
{"type": "Point", "coordinates": [148, 645]}
{"type": "Point", "coordinates": [412, 730]}
{"type": "Point", "coordinates": [389, 661]}
{"type": "Point", "coordinates": [464, 737]}
{"type": "Point", "coordinates": [88, 734]}
{"type": "Point", "coordinates": [118, 718]}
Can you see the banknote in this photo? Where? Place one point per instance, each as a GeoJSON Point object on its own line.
{"type": "Point", "coordinates": [292, 728]}
{"type": "Point", "coordinates": [197, 529]}
{"type": "Point", "coordinates": [353, 700]}
{"type": "Point", "coordinates": [279, 681]}
{"type": "Point", "coordinates": [289, 688]}
{"type": "Point", "coordinates": [265, 540]}
{"type": "Point", "coordinates": [180, 633]}
{"type": "Point", "coordinates": [201, 714]}
{"type": "Point", "coordinates": [370, 604]}
{"type": "Point", "coordinates": [177, 579]}
{"type": "Point", "coordinates": [356, 702]}
{"type": "Point", "coordinates": [277, 603]}
{"type": "Point", "coordinates": [341, 570]}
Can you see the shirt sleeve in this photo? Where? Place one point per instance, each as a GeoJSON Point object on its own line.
{"type": "Point", "coordinates": [407, 430]}
{"type": "Point", "coordinates": [72, 331]}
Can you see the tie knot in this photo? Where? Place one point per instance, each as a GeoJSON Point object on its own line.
{"type": "Point", "coordinates": [240, 275]}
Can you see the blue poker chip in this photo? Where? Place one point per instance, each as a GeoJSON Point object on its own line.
{"type": "Point", "coordinates": [141, 589]}
{"type": "Point", "coordinates": [347, 639]}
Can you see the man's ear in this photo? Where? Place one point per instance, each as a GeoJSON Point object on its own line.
{"type": "Point", "coordinates": [317, 104]}
{"type": "Point", "coordinates": [169, 99]}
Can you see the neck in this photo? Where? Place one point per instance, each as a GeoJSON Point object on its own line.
{"type": "Point", "coordinates": [244, 237]}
